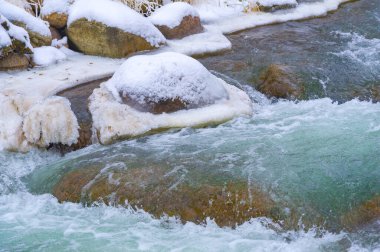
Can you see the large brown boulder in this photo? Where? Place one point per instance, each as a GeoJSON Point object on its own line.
{"type": "Point", "coordinates": [280, 81]}
{"type": "Point", "coordinates": [95, 38]}
{"type": "Point", "coordinates": [125, 33]}
{"type": "Point", "coordinates": [158, 192]}
{"type": "Point", "coordinates": [185, 20]}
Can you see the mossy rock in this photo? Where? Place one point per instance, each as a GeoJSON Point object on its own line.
{"type": "Point", "coordinates": [56, 20]}
{"type": "Point", "coordinates": [36, 39]}
{"type": "Point", "coordinates": [95, 38]}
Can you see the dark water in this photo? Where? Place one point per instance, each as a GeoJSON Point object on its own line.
{"type": "Point", "coordinates": [336, 56]}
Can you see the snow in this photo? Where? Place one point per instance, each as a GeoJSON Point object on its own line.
{"type": "Point", "coordinates": [55, 6]}
{"type": "Point", "coordinates": [200, 44]}
{"type": "Point", "coordinates": [59, 43]}
{"type": "Point", "coordinates": [47, 55]}
{"type": "Point", "coordinates": [113, 120]}
{"type": "Point", "coordinates": [171, 15]}
{"type": "Point", "coordinates": [21, 3]}
{"type": "Point", "coordinates": [166, 76]}
{"type": "Point", "coordinates": [116, 14]}
{"type": "Point", "coordinates": [270, 3]}
{"type": "Point", "coordinates": [14, 32]}
{"type": "Point", "coordinates": [5, 40]}
{"type": "Point", "coordinates": [229, 20]}
{"type": "Point", "coordinates": [14, 13]}
{"type": "Point", "coordinates": [51, 121]}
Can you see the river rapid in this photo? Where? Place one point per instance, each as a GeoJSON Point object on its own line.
{"type": "Point", "coordinates": [318, 157]}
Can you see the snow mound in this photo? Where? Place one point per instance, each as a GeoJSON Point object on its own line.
{"type": "Point", "coordinates": [51, 121]}
{"type": "Point", "coordinates": [166, 76]}
{"type": "Point", "coordinates": [14, 13]}
{"type": "Point", "coordinates": [47, 55]}
{"type": "Point", "coordinates": [13, 32]}
{"type": "Point", "coordinates": [116, 14]}
{"type": "Point", "coordinates": [55, 6]}
{"type": "Point", "coordinates": [171, 15]}
{"type": "Point", "coordinates": [113, 120]}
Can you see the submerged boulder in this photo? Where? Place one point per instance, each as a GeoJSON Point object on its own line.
{"type": "Point", "coordinates": [274, 5]}
{"type": "Point", "coordinates": [177, 20]}
{"type": "Point", "coordinates": [167, 90]}
{"type": "Point", "coordinates": [111, 29]}
{"type": "Point", "coordinates": [281, 82]}
{"type": "Point", "coordinates": [159, 192]}
{"type": "Point", "coordinates": [56, 12]}
{"type": "Point", "coordinates": [38, 31]}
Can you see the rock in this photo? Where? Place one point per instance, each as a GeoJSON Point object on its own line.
{"type": "Point", "coordinates": [55, 34]}
{"type": "Point", "coordinates": [95, 38]}
{"type": "Point", "coordinates": [158, 192]}
{"type": "Point", "coordinates": [362, 215]}
{"type": "Point", "coordinates": [266, 6]}
{"type": "Point", "coordinates": [128, 32]}
{"type": "Point", "coordinates": [36, 38]}
{"type": "Point", "coordinates": [38, 31]}
{"type": "Point", "coordinates": [279, 81]}
{"type": "Point", "coordinates": [56, 20]}
{"type": "Point", "coordinates": [14, 61]}
{"type": "Point", "coordinates": [150, 93]}
{"type": "Point", "coordinates": [177, 20]}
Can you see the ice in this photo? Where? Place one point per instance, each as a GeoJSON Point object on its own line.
{"type": "Point", "coordinates": [171, 15]}
{"type": "Point", "coordinates": [14, 13]}
{"type": "Point", "coordinates": [51, 121]}
{"type": "Point", "coordinates": [55, 6]}
{"type": "Point", "coordinates": [116, 14]}
{"type": "Point", "coordinates": [47, 55]}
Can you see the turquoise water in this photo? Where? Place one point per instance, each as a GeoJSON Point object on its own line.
{"type": "Point", "coordinates": [319, 157]}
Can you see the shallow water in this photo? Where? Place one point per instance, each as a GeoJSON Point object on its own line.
{"type": "Point", "coordinates": [335, 56]}
{"type": "Point", "coordinates": [318, 157]}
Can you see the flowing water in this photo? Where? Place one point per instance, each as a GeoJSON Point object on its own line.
{"type": "Point", "coordinates": [318, 157]}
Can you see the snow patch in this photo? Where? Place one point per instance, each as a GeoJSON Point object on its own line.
{"type": "Point", "coordinates": [166, 76]}
{"type": "Point", "coordinates": [172, 14]}
{"type": "Point", "coordinates": [55, 6]}
{"type": "Point", "coordinates": [14, 13]}
{"type": "Point", "coordinates": [47, 55]}
{"type": "Point", "coordinates": [51, 121]}
{"type": "Point", "coordinates": [116, 14]}
{"type": "Point", "coordinates": [200, 44]}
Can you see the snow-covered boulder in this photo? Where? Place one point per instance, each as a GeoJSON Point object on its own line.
{"type": "Point", "coordinates": [56, 12]}
{"type": "Point", "coordinates": [177, 20]}
{"type": "Point", "coordinates": [38, 31]}
{"type": "Point", "coordinates": [24, 4]}
{"type": "Point", "coordinates": [51, 122]}
{"type": "Point", "coordinates": [273, 5]}
{"type": "Point", "coordinates": [14, 44]}
{"type": "Point", "coordinates": [167, 90]}
{"type": "Point", "coordinates": [109, 28]}
{"type": "Point", "coordinates": [47, 55]}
